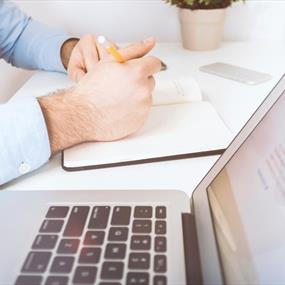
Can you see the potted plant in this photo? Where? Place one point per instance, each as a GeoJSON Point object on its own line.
{"type": "Point", "coordinates": [202, 22]}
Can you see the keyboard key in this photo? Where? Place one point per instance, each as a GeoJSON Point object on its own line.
{"type": "Point", "coordinates": [29, 279]}
{"type": "Point", "coordinates": [112, 270]}
{"type": "Point", "coordinates": [121, 216]}
{"type": "Point", "coordinates": [62, 264]}
{"type": "Point", "coordinates": [85, 275]}
{"type": "Point", "coordinates": [57, 212]}
{"type": "Point", "coordinates": [118, 234]}
{"type": "Point", "coordinates": [68, 246]}
{"type": "Point", "coordinates": [160, 244]}
{"type": "Point", "coordinates": [51, 226]}
{"type": "Point", "coordinates": [160, 263]}
{"type": "Point", "coordinates": [109, 283]}
{"type": "Point", "coordinates": [140, 242]}
{"type": "Point", "coordinates": [143, 212]}
{"type": "Point", "coordinates": [115, 251]}
{"type": "Point", "coordinates": [160, 212]}
{"type": "Point", "coordinates": [94, 238]}
{"type": "Point", "coordinates": [90, 255]}
{"type": "Point", "coordinates": [160, 227]}
{"type": "Point", "coordinates": [139, 261]}
{"type": "Point", "coordinates": [142, 226]}
{"type": "Point", "coordinates": [36, 262]}
{"type": "Point", "coordinates": [76, 222]}
{"type": "Point", "coordinates": [99, 217]}
{"type": "Point", "coordinates": [159, 280]}
{"type": "Point", "coordinates": [57, 280]}
{"type": "Point", "coordinates": [137, 278]}
{"type": "Point", "coordinates": [45, 242]}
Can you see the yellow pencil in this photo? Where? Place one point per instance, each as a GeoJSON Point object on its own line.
{"type": "Point", "coordinates": [111, 49]}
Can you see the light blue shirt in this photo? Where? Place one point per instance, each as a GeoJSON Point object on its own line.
{"type": "Point", "coordinates": [25, 43]}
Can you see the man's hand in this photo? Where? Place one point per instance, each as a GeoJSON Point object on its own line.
{"type": "Point", "coordinates": [111, 102]}
{"type": "Point", "coordinates": [80, 57]}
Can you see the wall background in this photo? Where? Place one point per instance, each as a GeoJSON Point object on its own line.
{"type": "Point", "coordinates": [132, 20]}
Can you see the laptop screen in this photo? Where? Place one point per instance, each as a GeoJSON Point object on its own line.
{"type": "Point", "coordinates": [247, 201]}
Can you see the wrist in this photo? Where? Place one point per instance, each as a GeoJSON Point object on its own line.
{"type": "Point", "coordinates": [61, 117]}
{"type": "Point", "coordinates": [66, 51]}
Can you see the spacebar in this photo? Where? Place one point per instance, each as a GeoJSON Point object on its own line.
{"type": "Point", "coordinates": [76, 222]}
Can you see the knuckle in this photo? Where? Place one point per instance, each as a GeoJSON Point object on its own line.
{"type": "Point", "coordinates": [155, 61]}
{"type": "Point", "coordinates": [144, 92]}
{"type": "Point", "coordinates": [146, 99]}
{"type": "Point", "coordinates": [153, 82]}
{"type": "Point", "coordinates": [148, 103]}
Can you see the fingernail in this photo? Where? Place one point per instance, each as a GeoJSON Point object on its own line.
{"type": "Point", "coordinates": [149, 40]}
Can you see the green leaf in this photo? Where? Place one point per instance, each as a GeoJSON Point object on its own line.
{"type": "Point", "coordinates": [202, 4]}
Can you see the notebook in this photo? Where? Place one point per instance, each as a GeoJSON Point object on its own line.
{"type": "Point", "coordinates": [180, 125]}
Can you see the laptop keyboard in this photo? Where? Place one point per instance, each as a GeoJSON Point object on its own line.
{"type": "Point", "coordinates": [101, 245]}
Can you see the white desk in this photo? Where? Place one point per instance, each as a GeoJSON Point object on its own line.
{"type": "Point", "coordinates": [235, 103]}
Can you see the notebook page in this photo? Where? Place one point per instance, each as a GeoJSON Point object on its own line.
{"type": "Point", "coordinates": [175, 90]}
{"type": "Point", "coordinates": [170, 130]}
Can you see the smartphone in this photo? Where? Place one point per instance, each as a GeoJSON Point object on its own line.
{"type": "Point", "coordinates": [236, 73]}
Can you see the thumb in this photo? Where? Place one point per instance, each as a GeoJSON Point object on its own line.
{"type": "Point", "coordinates": [137, 50]}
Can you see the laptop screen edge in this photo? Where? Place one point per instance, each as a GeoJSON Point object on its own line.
{"type": "Point", "coordinates": [211, 268]}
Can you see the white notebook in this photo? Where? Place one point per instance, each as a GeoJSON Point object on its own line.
{"type": "Point", "coordinates": [180, 125]}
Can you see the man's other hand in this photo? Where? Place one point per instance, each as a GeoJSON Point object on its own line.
{"type": "Point", "coordinates": [80, 57]}
{"type": "Point", "coordinates": [111, 102]}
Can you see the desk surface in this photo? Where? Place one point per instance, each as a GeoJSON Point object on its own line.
{"type": "Point", "coordinates": [234, 102]}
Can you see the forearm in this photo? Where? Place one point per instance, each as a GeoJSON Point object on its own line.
{"type": "Point", "coordinates": [64, 120]}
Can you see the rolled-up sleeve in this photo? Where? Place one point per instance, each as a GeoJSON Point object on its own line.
{"type": "Point", "coordinates": [24, 141]}
{"type": "Point", "coordinates": [27, 43]}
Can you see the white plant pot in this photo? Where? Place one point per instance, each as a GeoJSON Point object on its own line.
{"type": "Point", "coordinates": [202, 29]}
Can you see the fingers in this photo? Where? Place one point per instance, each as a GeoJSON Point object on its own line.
{"type": "Point", "coordinates": [88, 48]}
{"type": "Point", "coordinates": [137, 50]}
{"type": "Point", "coordinates": [76, 68]}
{"type": "Point", "coordinates": [84, 57]}
{"type": "Point", "coordinates": [147, 66]}
{"type": "Point", "coordinates": [88, 52]}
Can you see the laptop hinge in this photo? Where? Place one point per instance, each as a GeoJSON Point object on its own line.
{"type": "Point", "coordinates": [191, 251]}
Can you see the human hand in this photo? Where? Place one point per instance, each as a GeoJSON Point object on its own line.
{"type": "Point", "coordinates": [111, 102]}
{"type": "Point", "coordinates": [86, 53]}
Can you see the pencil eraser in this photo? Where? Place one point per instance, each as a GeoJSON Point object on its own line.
{"type": "Point", "coordinates": [101, 40]}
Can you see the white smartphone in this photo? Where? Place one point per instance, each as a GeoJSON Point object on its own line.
{"type": "Point", "coordinates": [236, 73]}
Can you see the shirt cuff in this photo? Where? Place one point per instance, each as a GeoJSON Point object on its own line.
{"type": "Point", "coordinates": [52, 58]}
{"type": "Point", "coordinates": [24, 141]}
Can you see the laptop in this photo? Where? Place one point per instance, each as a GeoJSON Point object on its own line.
{"type": "Point", "coordinates": [231, 231]}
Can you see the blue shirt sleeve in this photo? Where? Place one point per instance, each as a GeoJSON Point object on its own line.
{"type": "Point", "coordinates": [27, 43]}
{"type": "Point", "coordinates": [24, 141]}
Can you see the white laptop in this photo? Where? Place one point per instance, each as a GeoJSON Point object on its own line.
{"type": "Point", "coordinates": [231, 231]}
